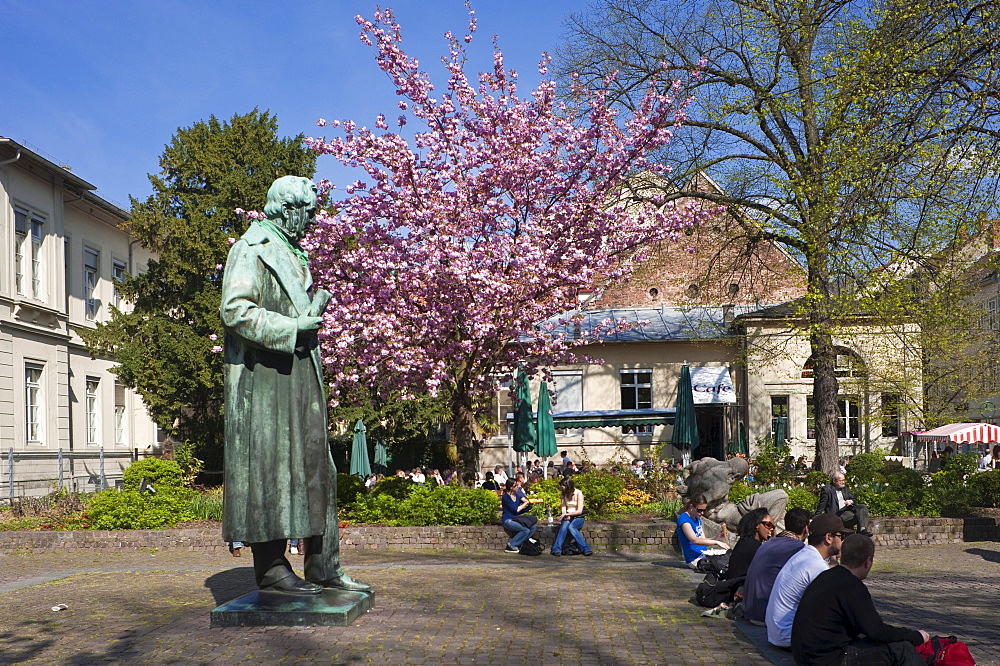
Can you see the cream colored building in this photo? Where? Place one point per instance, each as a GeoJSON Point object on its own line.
{"type": "Point", "coordinates": [63, 417]}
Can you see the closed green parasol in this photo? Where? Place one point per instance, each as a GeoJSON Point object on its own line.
{"type": "Point", "coordinates": [545, 431]}
{"type": "Point", "coordinates": [381, 457]}
{"type": "Point", "coordinates": [360, 466]}
{"type": "Point", "coordinates": [524, 427]}
{"type": "Point", "coordinates": [685, 435]}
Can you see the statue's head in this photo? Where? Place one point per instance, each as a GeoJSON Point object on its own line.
{"type": "Point", "coordinates": [291, 204]}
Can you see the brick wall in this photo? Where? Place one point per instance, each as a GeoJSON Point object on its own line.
{"type": "Point", "coordinates": [652, 538]}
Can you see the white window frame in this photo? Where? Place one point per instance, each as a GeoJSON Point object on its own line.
{"type": "Point", "coordinates": [29, 253]}
{"type": "Point", "coordinates": [91, 277]}
{"type": "Point", "coordinates": [34, 403]}
{"type": "Point", "coordinates": [121, 416]}
{"type": "Point", "coordinates": [635, 385]}
{"type": "Point", "coordinates": [93, 392]}
{"type": "Point", "coordinates": [118, 271]}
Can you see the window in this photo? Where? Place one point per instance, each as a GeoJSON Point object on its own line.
{"type": "Point", "coordinates": [121, 420]}
{"type": "Point", "coordinates": [891, 407]}
{"type": "Point", "coordinates": [637, 393]}
{"type": "Point", "coordinates": [848, 419]}
{"type": "Point", "coordinates": [29, 237]}
{"type": "Point", "coordinates": [118, 273]}
{"type": "Point", "coordinates": [93, 411]}
{"type": "Point", "coordinates": [846, 364]}
{"type": "Point", "coordinates": [34, 402]}
{"type": "Point", "coordinates": [779, 410]}
{"type": "Point", "coordinates": [567, 390]}
{"type": "Point", "coordinates": [990, 321]}
{"type": "Point", "coordinates": [91, 262]}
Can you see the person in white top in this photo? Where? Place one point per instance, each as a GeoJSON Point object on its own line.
{"type": "Point", "coordinates": [499, 475]}
{"type": "Point", "coordinates": [826, 534]}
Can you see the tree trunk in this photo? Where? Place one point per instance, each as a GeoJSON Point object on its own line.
{"type": "Point", "coordinates": [464, 441]}
{"type": "Point", "coordinates": [825, 383]}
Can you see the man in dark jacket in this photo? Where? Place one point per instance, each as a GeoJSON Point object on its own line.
{"type": "Point", "coordinates": [837, 498]}
{"type": "Point", "coordinates": [836, 609]}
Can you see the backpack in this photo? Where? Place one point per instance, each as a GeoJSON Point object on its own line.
{"type": "Point", "coordinates": [714, 590]}
{"type": "Point", "coordinates": [571, 547]}
{"type": "Point", "coordinates": [946, 651]}
{"type": "Point", "coordinates": [531, 547]}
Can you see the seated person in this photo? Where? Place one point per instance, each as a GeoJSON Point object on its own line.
{"type": "Point", "coordinates": [490, 483]}
{"type": "Point", "coordinates": [836, 498]}
{"type": "Point", "coordinates": [571, 519]}
{"type": "Point", "coordinates": [836, 609]}
{"type": "Point", "coordinates": [767, 562]}
{"type": "Point", "coordinates": [690, 534]}
{"type": "Point", "coordinates": [514, 504]}
{"type": "Point", "coordinates": [826, 533]}
{"type": "Point", "coordinates": [755, 528]}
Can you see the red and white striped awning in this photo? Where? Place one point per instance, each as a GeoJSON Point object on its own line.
{"type": "Point", "coordinates": [962, 432]}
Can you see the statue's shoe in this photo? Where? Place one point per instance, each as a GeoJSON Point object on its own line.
{"type": "Point", "coordinates": [294, 585]}
{"type": "Point", "coordinates": [345, 582]}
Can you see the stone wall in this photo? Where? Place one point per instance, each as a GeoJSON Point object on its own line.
{"type": "Point", "coordinates": [638, 539]}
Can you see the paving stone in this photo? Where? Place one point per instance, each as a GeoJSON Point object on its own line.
{"type": "Point", "coordinates": [443, 607]}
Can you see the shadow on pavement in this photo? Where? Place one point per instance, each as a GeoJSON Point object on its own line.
{"type": "Point", "coordinates": [988, 555]}
{"type": "Point", "coordinates": [227, 585]}
{"type": "Point", "coordinates": [24, 642]}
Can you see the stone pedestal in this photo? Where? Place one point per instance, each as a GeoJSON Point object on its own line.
{"type": "Point", "coordinates": [260, 608]}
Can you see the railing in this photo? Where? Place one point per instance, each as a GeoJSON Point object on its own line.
{"type": "Point", "coordinates": [59, 474]}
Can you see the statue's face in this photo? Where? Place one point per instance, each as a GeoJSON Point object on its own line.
{"type": "Point", "coordinates": [297, 215]}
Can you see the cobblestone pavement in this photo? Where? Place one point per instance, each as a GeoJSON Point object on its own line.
{"type": "Point", "coordinates": [446, 607]}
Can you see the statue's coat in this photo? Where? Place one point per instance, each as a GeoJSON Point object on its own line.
{"type": "Point", "coordinates": [279, 474]}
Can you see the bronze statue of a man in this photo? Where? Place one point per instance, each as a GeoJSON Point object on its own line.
{"type": "Point", "coordinates": [280, 480]}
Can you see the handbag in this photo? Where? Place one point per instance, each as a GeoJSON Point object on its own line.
{"type": "Point", "coordinates": [526, 519]}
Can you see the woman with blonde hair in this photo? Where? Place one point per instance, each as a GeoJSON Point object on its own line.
{"type": "Point", "coordinates": [571, 519]}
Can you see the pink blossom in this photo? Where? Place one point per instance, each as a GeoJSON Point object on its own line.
{"type": "Point", "coordinates": [213, 337]}
{"type": "Point", "coordinates": [447, 267]}
{"type": "Point", "coordinates": [216, 349]}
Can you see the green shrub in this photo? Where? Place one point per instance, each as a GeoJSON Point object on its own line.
{"type": "Point", "coordinates": [184, 456]}
{"type": "Point", "coordinates": [207, 505]}
{"type": "Point", "coordinates": [132, 510]}
{"type": "Point", "coordinates": [395, 486]}
{"type": "Point", "coordinates": [951, 491]}
{"type": "Point", "coordinates": [799, 497]}
{"type": "Point", "coordinates": [772, 463]}
{"type": "Point", "coordinates": [815, 480]}
{"type": "Point", "coordinates": [963, 464]}
{"type": "Point", "coordinates": [374, 509]}
{"type": "Point", "coordinates": [866, 468]}
{"type": "Point", "coordinates": [548, 491]}
{"type": "Point", "coordinates": [879, 499]}
{"type": "Point", "coordinates": [449, 505]}
{"type": "Point", "coordinates": [668, 508]}
{"type": "Point", "coordinates": [985, 488]}
{"type": "Point", "coordinates": [429, 505]}
{"type": "Point", "coordinates": [599, 490]}
{"type": "Point", "coordinates": [348, 489]}
{"type": "Point", "coordinates": [161, 474]}
{"type": "Point", "coordinates": [739, 491]}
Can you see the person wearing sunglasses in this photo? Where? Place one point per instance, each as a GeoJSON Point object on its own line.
{"type": "Point", "coordinates": [826, 534]}
{"type": "Point", "coordinates": [754, 528]}
{"type": "Point", "coordinates": [690, 534]}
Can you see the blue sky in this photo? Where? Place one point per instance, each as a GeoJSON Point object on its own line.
{"type": "Point", "coordinates": [103, 85]}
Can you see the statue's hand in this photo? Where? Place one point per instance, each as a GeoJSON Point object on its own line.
{"type": "Point", "coordinates": [308, 322]}
{"type": "Point", "coordinates": [319, 302]}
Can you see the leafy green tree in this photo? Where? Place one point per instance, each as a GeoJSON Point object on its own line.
{"type": "Point", "coordinates": [860, 135]}
{"type": "Point", "coordinates": [164, 344]}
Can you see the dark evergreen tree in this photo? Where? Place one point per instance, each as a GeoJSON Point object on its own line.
{"type": "Point", "coordinates": [164, 345]}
